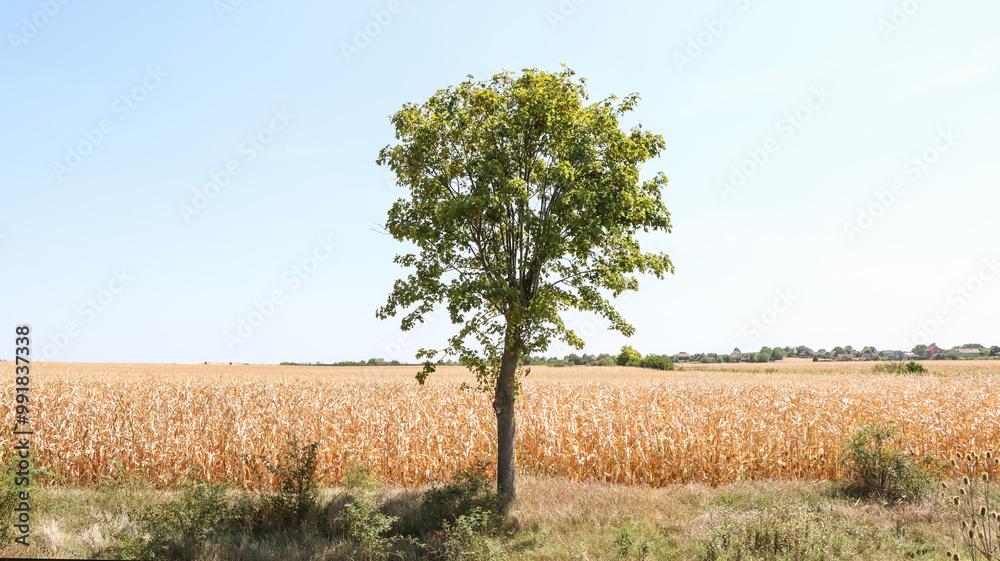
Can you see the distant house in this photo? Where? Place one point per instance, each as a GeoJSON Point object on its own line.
{"type": "Point", "coordinates": [933, 350]}
{"type": "Point", "coordinates": [895, 355]}
{"type": "Point", "coordinates": [994, 351]}
{"type": "Point", "coordinates": [912, 356]}
{"type": "Point", "coordinates": [736, 354]}
{"type": "Point", "coordinates": [867, 356]}
{"type": "Point", "coordinates": [845, 356]}
{"type": "Point", "coordinates": [967, 352]}
{"type": "Point", "coordinates": [683, 357]}
{"type": "Point", "coordinates": [712, 355]}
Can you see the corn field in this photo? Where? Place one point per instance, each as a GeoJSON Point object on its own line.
{"type": "Point", "coordinates": [166, 423]}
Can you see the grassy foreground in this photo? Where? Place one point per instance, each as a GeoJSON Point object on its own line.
{"type": "Point", "coordinates": [554, 518]}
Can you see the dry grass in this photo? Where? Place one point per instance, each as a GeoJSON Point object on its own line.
{"type": "Point", "coordinates": [100, 421]}
{"type": "Point", "coordinates": [553, 519]}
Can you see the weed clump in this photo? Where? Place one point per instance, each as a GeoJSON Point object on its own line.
{"type": "Point", "coordinates": [357, 476]}
{"type": "Point", "coordinates": [977, 506]}
{"type": "Point", "coordinates": [179, 529]}
{"type": "Point", "coordinates": [298, 497]}
{"type": "Point", "coordinates": [467, 493]}
{"type": "Point", "coordinates": [880, 470]}
{"type": "Point", "coordinates": [10, 492]}
{"type": "Point", "coordinates": [360, 523]}
{"type": "Point", "coordinates": [912, 367]}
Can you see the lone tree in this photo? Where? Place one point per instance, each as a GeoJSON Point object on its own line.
{"type": "Point", "coordinates": [524, 202]}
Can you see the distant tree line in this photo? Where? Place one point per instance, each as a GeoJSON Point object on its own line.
{"type": "Point", "coordinates": [369, 362]}
{"type": "Point", "coordinates": [631, 357]}
{"type": "Point", "coordinates": [603, 359]}
{"type": "Point", "coordinates": [627, 357]}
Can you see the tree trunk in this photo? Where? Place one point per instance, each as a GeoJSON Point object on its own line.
{"type": "Point", "coordinates": [503, 406]}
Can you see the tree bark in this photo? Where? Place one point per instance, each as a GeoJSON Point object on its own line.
{"type": "Point", "coordinates": [503, 406]}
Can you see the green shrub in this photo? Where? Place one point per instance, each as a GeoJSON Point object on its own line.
{"type": "Point", "coordinates": [658, 362]}
{"type": "Point", "coordinates": [444, 504]}
{"type": "Point", "coordinates": [881, 471]}
{"type": "Point", "coordinates": [178, 528]}
{"type": "Point", "coordinates": [9, 499]}
{"type": "Point", "coordinates": [628, 356]}
{"type": "Point", "coordinates": [912, 367]}
{"type": "Point", "coordinates": [357, 476]}
{"type": "Point", "coordinates": [138, 548]}
{"type": "Point", "coordinates": [10, 493]}
{"type": "Point", "coordinates": [360, 523]}
{"type": "Point", "coordinates": [299, 492]}
{"type": "Point", "coordinates": [296, 502]}
{"type": "Point", "coordinates": [786, 531]}
{"type": "Point", "coordinates": [470, 537]}
{"type": "Point", "coordinates": [632, 540]}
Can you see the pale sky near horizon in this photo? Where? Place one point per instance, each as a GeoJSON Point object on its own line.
{"type": "Point", "coordinates": [832, 169]}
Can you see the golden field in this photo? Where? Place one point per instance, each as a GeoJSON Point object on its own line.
{"type": "Point", "coordinates": [711, 424]}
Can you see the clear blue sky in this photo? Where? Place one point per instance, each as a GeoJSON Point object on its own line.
{"type": "Point", "coordinates": [117, 115]}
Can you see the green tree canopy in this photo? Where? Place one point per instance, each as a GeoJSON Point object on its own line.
{"type": "Point", "coordinates": [628, 355]}
{"type": "Point", "coordinates": [524, 203]}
